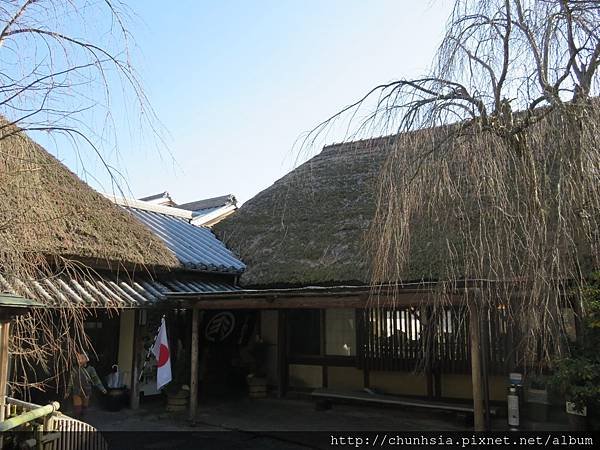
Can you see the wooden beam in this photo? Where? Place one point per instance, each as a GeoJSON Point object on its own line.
{"type": "Point", "coordinates": [474, 328]}
{"type": "Point", "coordinates": [325, 360]}
{"type": "Point", "coordinates": [322, 301]}
{"type": "Point", "coordinates": [194, 366]}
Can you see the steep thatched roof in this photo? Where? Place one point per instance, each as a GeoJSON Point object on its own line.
{"type": "Point", "coordinates": [483, 207]}
{"type": "Point", "coordinates": [46, 210]}
{"type": "Point", "coordinates": [309, 226]}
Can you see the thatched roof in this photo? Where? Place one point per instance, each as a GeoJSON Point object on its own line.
{"type": "Point", "coordinates": [309, 227]}
{"type": "Point", "coordinates": [46, 210]}
{"type": "Point", "coordinates": [314, 225]}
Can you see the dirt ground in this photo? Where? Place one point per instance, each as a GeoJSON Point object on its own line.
{"type": "Point", "coordinates": [255, 423]}
{"type": "Point", "coordinates": [272, 415]}
{"type": "Point", "coordinates": [262, 423]}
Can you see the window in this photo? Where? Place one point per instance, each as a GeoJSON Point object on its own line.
{"type": "Point", "coordinates": [340, 334]}
{"type": "Point", "coordinates": [305, 332]}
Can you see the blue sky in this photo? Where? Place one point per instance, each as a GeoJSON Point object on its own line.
{"type": "Point", "coordinates": [235, 83]}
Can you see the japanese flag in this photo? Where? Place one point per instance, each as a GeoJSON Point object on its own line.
{"type": "Point", "coordinates": [163, 356]}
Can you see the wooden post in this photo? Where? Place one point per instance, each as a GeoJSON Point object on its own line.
{"type": "Point", "coordinates": [281, 354]}
{"type": "Point", "coordinates": [134, 399]}
{"type": "Point", "coordinates": [194, 366]}
{"type": "Point", "coordinates": [323, 349]}
{"type": "Point", "coordinates": [485, 353]}
{"type": "Point", "coordinates": [429, 354]}
{"type": "Point", "coordinates": [4, 334]}
{"type": "Point", "coordinates": [361, 335]}
{"type": "Point", "coordinates": [479, 423]}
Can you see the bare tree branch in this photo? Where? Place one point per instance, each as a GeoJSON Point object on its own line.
{"type": "Point", "coordinates": [494, 163]}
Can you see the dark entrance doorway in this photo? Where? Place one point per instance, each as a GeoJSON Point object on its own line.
{"type": "Point", "coordinates": [102, 330]}
{"type": "Point", "coordinates": [224, 364]}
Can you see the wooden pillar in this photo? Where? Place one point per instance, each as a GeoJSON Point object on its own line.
{"type": "Point", "coordinates": [323, 349]}
{"type": "Point", "coordinates": [134, 400]}
{"type": "Point", "coordinates": [429, 354]}
{"type": "Point", "coordinates": [361, 343]}
{"type": "Point", "coordinates": [479, 422]}
{"type": "Point", "coordinates": [194, 365]}
{"type": "Point", "coordinates": [4, 334]}
{"type": "Point", "coordinates": [485, 353]}
{"type": "Point", "coordinates": [4, 330]}
{"type": "Point", "coordinates": [281, 353]}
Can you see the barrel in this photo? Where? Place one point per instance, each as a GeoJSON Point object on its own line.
{"type": "Point", "coordinates": [177, 402]}
{"type": "Point", "coordinates": [257, 387]}
{"type": "Point", "coordinates": [115, 399]}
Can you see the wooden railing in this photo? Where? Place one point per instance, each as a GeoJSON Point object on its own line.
{"type": "Point", "coordinates": [44, 428]}
{"type": "Point", "coordinates": [77, 435]}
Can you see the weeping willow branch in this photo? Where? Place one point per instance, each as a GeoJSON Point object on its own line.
{"type": "Point", "coordinates": [63, 66]}
{"type": "Point", "coordinates": [494, 164]}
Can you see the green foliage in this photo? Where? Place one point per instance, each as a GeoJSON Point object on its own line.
{"type": "Point", "coordinates": [538, 382]}
{"type": "Point", "coordinates": [591, 296]}
{"type": "Point", "coordinates": [578, 376]}
{"type": "Point", "coordinates": [579, 379]}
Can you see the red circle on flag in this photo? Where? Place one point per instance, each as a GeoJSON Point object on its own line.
{"type": "Point", "coordinates": [163, 356]}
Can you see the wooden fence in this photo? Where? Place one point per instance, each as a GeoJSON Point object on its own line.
{"type": "Point", "coordinates": [405, 339]}
{"type": "Point", "coordinates": [51, 431]}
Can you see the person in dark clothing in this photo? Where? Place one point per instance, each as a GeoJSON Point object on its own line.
{"type": "Point", "coordinates": [80, 384]}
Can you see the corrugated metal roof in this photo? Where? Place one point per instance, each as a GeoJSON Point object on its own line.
{"type": "Point", "coordinates": [196, 247]}
{"type": "Point", "coordinates": [107, 291]}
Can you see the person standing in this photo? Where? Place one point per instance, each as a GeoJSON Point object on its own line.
{"type": "Point", "coordinates": [80, 384]}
